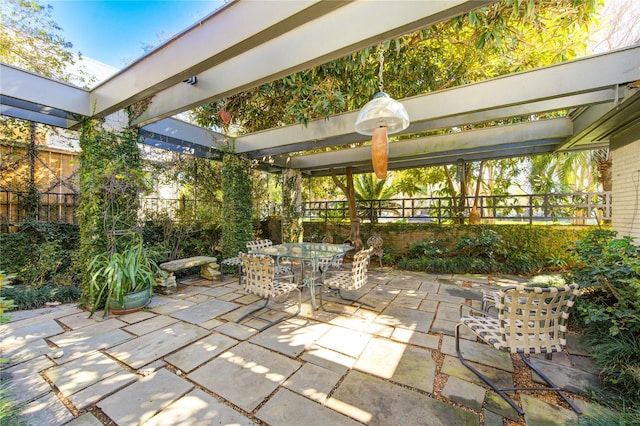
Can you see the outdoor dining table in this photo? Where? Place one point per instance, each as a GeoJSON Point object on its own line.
{"type": "Point", "coordinates": [311, 253]}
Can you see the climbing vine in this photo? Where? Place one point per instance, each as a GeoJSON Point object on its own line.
{"type": "Point", "coordinates": [237, 227]}
{"type": "Point", "coordinates": [111, 179]}
{"type": "Point", "coordinates": [292, 230]}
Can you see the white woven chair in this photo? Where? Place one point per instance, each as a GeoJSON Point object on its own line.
{"type": "Point", "coordinates": [258, 244]}
{"type": "Point", "coordinates": [350, 280]}
{"type": "Point", "coordinates": [529, 320]}
{"type": "Point", "coordinates": [260, 279]}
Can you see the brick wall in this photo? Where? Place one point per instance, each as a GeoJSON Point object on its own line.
{"type": "Point", "coordinates": [625, 152]}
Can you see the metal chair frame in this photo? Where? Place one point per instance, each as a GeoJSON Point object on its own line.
{"type": "Point", "coordinates": [260, 279]}
{"type": "Point", "coordinates": [529, 320]}
{"type": "Point", "coordinates": [377, 244]}
{"type": "Point", "coordinates": [350, 280]}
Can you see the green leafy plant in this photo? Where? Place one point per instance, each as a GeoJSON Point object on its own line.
{"type": "Point", "coordinates": [5, 304]}
{"type": "Point", "coordinates": [609, 272]}
{"type": "Point", "coordinates": [113, 275]}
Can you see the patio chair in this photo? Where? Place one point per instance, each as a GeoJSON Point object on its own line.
{"type": "Point", "coordinates": [529, 320]}
{"type": "Point", "coordinates": [375, 242]}
{"type": "Point", "coordinates": [258, 244]}
{"type": "Point", "coordinates": [351, 280]}
{"type": "Point", "coordinates": [260, 279]}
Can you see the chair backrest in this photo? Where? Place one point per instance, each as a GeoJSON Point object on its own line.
{"type": "Point", "coordinates": [375, 241]}
{"type": "Point", "coordinates": [534, 319]}
{"type": "Point", "coordinates": [258, 244]}
{"type": "Point", "coordinates": [359, 268]}
{"type": "Point", "coordinates": [259, 274]}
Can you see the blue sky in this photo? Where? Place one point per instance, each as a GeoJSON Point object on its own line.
{"type": "Point", "coordinates": [114, 32]}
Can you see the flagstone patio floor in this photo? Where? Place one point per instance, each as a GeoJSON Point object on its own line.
{"type": "Point", "coordinates": [186, 361]}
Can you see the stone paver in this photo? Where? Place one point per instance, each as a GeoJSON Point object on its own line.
{"type": "Point", "coordinates": [464, 393]}
{"type": "Point", "coordinates": [141, 400]}
{"type": "Point", "coordinates": [13, 338]}
{"type": "Point", "coordinates": [345, 341]}
{"type": "Point", "coordinates": [453, 367]}
{"type": "Point", "coordinates": [398, 362]}
{"type": "Point", "coordinates": [150, 347]}
{"type": "Point", "coordinates": [94, 393]}
{"type": "Point", "coordinates": [245, 375]}
{"type": "Point", "coordinates": [198, 408]}
{"type": "Point", "coordinates": [200, 352]}
{"type": "Point", "coordinates": [29, 350]}
{"type": "Point", "coordinates": [376, 367]}
{"type": "Point", "coordinates": [286, 408]}
{"type": "Point", "coordinates": [377, 402]}
{"type": "Point", "coordinates": [571, 379]}
{"type": "Point", "coordinates": [313, 381]}
{"type": "Point", "coordinates": [416, 338]}
{"type": "Point", "coordinates": [87, 419]}
{"type": "Point", "coordinates": [237, 331]}
{"type": "Point", "coordinates": [203, 312]}
{"type": "Point", "coordinates": [156, 322]}
{"type": "Point", "coordinates": [411, 319]}
{"type": "Point", "coordinates": [25, 379]}
{"type": "Point", "coordinates": [478, 352]}
{"type": "Point", "coordinates": [290, 338]}
{"type": "Point", "coordinates": [540, 413]}
{"type": "Point", "coordinates": [331, 360]}
{"type": "Point", "coordinates": [75, 349]}
{"type": "Point", "coordinates": [76, 375]}
{"type": "Point", "coordinates": [46, 410]}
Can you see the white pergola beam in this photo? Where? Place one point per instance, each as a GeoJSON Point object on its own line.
{"type": "Point", "coordinates": [228, 32]}
{"type": "Point", "coordinates": [553, 129]}
{"type": "Point", "coordinates": [561, 86]}
{"type": "Point", "coordinates": [353, 26]}
{"type": "Point", "coordinates": [42, 92]}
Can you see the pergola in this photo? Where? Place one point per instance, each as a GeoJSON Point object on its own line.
{"type": "Point", "coordinates": [247, 43]}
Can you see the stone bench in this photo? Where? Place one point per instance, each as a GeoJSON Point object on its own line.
{"type": "Point", "coordinates": [209, 270]}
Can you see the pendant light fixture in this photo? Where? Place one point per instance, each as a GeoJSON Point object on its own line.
{"type": "Point", "coordinates": [380, 117]}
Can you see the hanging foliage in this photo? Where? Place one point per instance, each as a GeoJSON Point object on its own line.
{"type": "Point", "coordinates": [111, 180]}
{"type": "Point", "coordinates": [237, 227]}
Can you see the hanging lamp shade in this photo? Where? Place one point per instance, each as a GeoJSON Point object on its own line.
{"type": "Point", "coordinates": [382, 111]}
{"type": "Point", "coordinates": [379, 152]}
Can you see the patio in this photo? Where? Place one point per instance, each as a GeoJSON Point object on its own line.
{"type": "Point", "coordinates": [186, 361]}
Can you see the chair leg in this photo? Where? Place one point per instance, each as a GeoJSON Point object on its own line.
{"type": "Point", "coordinates": [552, 386]}
{"type": "Point", "coordinates": [482, 376]}
{"type": "Point", "coordinates": [343, 298]}
{"type": "Point", "coordinates": [501, 391]}
{"type": "Point", "coordinates": [271, 323]}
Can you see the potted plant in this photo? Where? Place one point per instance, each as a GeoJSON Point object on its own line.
{"type": "Point", "coordinates": [123, 279]}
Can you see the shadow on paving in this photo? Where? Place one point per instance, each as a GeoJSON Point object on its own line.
{"type": "Point", "coordinates": [186, 360]}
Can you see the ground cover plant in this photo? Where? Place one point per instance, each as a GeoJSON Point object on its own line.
{"type": "Point", "coordinates": [608, 271]}
{"type": "Point", "coordinates": [482, 252]}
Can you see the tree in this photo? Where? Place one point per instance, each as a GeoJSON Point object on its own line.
{"type": "Point", "coordinates": [505, 37]}
{"type": "Point", "coordinates": [369, 188]}
{"type": "Point", "coordinates": [31, 39]}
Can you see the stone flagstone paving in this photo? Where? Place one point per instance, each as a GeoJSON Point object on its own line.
{"type": "Point", "coordinates": [186, 361]}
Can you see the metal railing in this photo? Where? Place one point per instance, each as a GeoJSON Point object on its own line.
{"type": "Point", "coordinates": [576, 208]}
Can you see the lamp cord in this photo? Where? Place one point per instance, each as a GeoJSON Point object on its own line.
{"type": "Point", "coordinates": [380, 80]}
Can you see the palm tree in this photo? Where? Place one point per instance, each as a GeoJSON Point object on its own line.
{"type": "Point", "coordinates": [370, 188]}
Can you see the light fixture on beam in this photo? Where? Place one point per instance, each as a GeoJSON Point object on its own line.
{"type": "Point", "coordinates": [380, 117]}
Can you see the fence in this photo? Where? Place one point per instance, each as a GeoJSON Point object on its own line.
{"type": "Point", "coordinates": [576, 208]}
{"type": "Point", "coordinates": [53, 207]}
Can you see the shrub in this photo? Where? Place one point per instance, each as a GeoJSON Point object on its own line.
{"type": "Point", "coordinates": [483, 252]}
{"type": "Point", "coordinates": [609, 272]}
